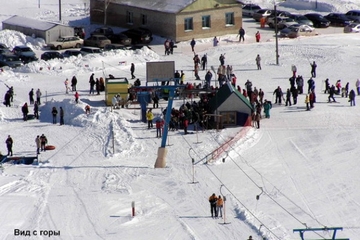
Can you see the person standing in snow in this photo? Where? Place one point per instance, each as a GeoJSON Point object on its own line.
{"type": "Point", "coordinates": [267, 107]}
{"type": "Point", "coordinates": [149, 118]}
{"type": "Point", "coordinates": [257, 36]}
{"type": "Point", "coordinates": [331, 93]}
{"type": "Point", "coordinates": [241, 34]}
{"type": "Point", "coordinates": [31, 96]}
{"type": "Point", "coordinates": [38, 144]}
{"type": "Point", "coordinates": [36, 110]}
{"type": "Point", "coordinates": [76, 97]}
{"type": "Point", "coordinates": [132, 70]}
{"type": "Point", "coordinates": [66, 86]}
{"type": "Point", "coordinates": [294, 70]}
{"type": "Point", "coordinates": [92, 84]}
{"type": "Point", "coordinates": [219, 206]}
{"type": "Point", "coordinates": [313, 69]}
{"type": "Point", "coordinates": [307, 102]}
{"type": "Point", "coordinates": [43, 141]}
{"type": "Point", "coordinates": [192, 44]}
{"type": "Point", "coordinates": [61, 116]}
{"type": "Point", "coordinates": [278, 95]}
{"type": "Point", "coordinates": [288, 97]}
{"type": "Point", "coordinates": [25, 111]}
{"type": "Point", "coordinates": [54, 113]}
{"type": "Point", "coordinates": [204, 62]}
{"type": "Point", "coordinates": [208, 78]}
{"type": "Point", "coordinates": [311, 85]}
{"type": "Point", "coordinates": [352, 97]}
{"type": "Point", "coordinates": [212, 201]}
{"type": "Point", "coordinates": [215, 41]}
{"type": "Point", "coordinates": [258, 62]}
{"type": "Point", "coordinates": [9, 143]}
{"type": "Point", "coordinates": [357, 84]}
{"type": "Point", "coordinates": [300, 84]}
{"type": "Point", "coordinates": [73, 83]}
{"type": "Point", "coordinates": [38, 96]}
{"type": "Point", "coordinates": [222, 59]}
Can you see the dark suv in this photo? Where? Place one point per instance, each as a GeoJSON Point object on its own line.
{"type": "Point", "coordinates": [138, 36]}
{"type": "Point", "coordinates": [106, 31]}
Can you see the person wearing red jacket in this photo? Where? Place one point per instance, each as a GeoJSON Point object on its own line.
{"type": "Point", "coordinates": [76, 97]}
{"type": "Point", "coordinates": [257, 36]}
{"type": "Point", "coordinates": [159, 124]}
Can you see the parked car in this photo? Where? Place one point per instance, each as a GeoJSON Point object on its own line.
{"type": "Point", "coordinates": [71, 52]}
{"type": "Point", "coordinates": [79, 32]}
{"type": "Point", "coordinates": [138, 36]}
{"type": "Point", "coordinates": [262, 13]}
{"type": "Point", "coordinates": [121, 39]}
{"type": "Point", "coordinates": [301, 19]}
{"type": "Point", "coordinates": [114, 46]}
{"type": "Point", "coordinates": [89, 50]}
{"type": "Point", "coordinates": [10, 60]}
{"type": "Point", "coordinates": [51, 55]}
{"type": "Point", "coordinates": [279, 13]}
{"type": "Point", "coordinates": [4, 49]}
{"type": "Point", "coordinates": [249, 9]}
{"type": "Point", "coordinates": [106, 31]}
{"type": "Point", "coordinates": [318, 20]}
{"type": "Point", "coordinates": [25, 53]}
{"type": "Point", "coordinates": [354, 15]}
{"type": "Point", "coordinates": [352, 28]}
{"type": "Point", "coordinates": [295, 30]}
{"type": "Point", "coordinates": [338, 19]}
{"type": "Point", "coordinates": [282, 22]}
{"type": "Point", "coordinates": [66, 42]}
{"type": "Point", "coordinates": [145, 31]}
{"type": "Point", "coordinates": [98, 41]}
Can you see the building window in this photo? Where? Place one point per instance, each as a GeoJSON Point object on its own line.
{"type": "Point", "coordinates": [129, 17]}
{"type": "Point", "coordinates": [206, 21]}
{"type": "Point", "coordinates": [144, 19]}
{"type": "Point", "coordinates": [229, 18]}
{"type": "Point", "coordinates": [228, 118]}
{"type": "Point", "coordinates": [188, 24]}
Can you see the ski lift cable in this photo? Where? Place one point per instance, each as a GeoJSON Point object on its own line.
{"type": "Point", "coordinates": [231, 193]}
{"type": "Point", "coordinates": [262, 177]}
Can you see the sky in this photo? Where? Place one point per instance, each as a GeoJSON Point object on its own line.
{"type": "Point", "coordinates": [302, 164]}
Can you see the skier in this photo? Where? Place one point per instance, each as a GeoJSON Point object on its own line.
{"type": "Point", "coordinates": [267, 107]}
{"type": "Point", "coordinates": [331, 93]}
{"type": "Point", "coordinates": [54, 112]}
{"type": "Point", "coordinates": [352, 97]}
{"type": "Point", "coordinates": [212, 201]}
{"type": "Point", "coordinates": [258, 62]}
{"type": "Point", "coordinates": [31, 96]}
{"type": "Point", "coordinates": [43, 141]}
{"type": "Point", "coordinates": [313, 69]}
{"type": "Point", "coordinates": [9, 142]}
{"type": "Point", "coordinates": [278, 95]}
{"type": "Point", "coordinates": [219, 206]}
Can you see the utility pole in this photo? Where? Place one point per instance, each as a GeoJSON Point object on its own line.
{"type": "Point", "coordinates": [276, 36]}
{"type": "Point", "coordinates": [60, 11]}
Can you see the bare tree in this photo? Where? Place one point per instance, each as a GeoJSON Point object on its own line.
{"type": "Point", "coordinates": [104, 10]}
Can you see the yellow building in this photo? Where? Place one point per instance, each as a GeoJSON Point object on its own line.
{"type": "Point", "coordinates": [115, 86]}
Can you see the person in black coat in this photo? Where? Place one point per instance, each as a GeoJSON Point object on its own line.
{"type": "Point", "coordinates": [288, 97]}
{"type": "Point", "coordinates": [352, 97]}
{"type": "Point", "coordinates": [132, 70]}
{"type": "Point", "coordinates": [36, 110]}
{"type": "Point", "coordinates": [331, 93]}
{"type": "Point", "coordinates": [278, 95]}
{"type": "Point", "coordinates": [203, 61]}
{"type": "Point", "coordinates": [9, 142]}
{"type": "Point", "coordinates": [7, 98]}
{"type": "Point", "coordinates": [92, 84]}
{"type": "Point", "coordinates": [31, 96]}
{"type": "Point", "coordinates": [294, 93]}
{"type": "Point", "coordinates": [25, 111]}
{"type": "Point", "coordinates": [54, 113]}
{"type": "Point", "coordinates": [327, 86]}
{"type": "Point", "coordinates": [73, 83]}
{"type": "Point", "coordinates": [313, 69]}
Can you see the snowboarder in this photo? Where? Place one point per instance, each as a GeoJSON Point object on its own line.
{"type": "Point", "coordinates": [54, 113]}
{"type": "Point", "coordinates": [258, 62]}
{"type": "Point", "coordinates": [241, 34]}
{"type": "Point", "coordinates": [9, 142]}
{"type": "Point", "coordinates": [132, 70]}
{"type": "Point", "coordinates": [192, 44]}
{"type": "Point", "coordinates": [313, 69]}
{"type": "Point", "coordinates": [212, 201]}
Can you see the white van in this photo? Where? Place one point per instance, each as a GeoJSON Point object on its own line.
{"type": "Point", "coordinates": [89, 50]}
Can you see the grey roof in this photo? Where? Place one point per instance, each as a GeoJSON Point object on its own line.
{"type": "Point", "coordinates": [29, 23]}
{"type": "Point", "coordinates": [170, 6]}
